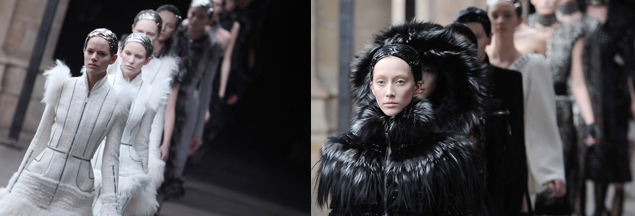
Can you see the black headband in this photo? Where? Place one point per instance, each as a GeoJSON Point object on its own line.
{"type": "Point", "coordinates": [405, 52]}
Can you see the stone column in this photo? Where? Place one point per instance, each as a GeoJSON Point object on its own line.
{"type": "Point", "coordinates": [19, 25]}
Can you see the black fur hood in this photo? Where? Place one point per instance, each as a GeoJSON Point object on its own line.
{"type": "Point", "coordinates": [399, 165]}
{"type": "Point", "coordinates": [461, 85]}
{"type": "Point", "coordinates": [419, 161]}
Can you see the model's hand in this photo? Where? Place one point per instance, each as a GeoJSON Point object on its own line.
{"type": "Point", "coordinates": [165, 152]}
{"type": "Point", "coordinates": [207, 115]}
{"type": "Point", "coordinates": [589, 141]}
{"type": "Point", "coordinates": [232, 99]}
{"type": "Point", "coordinates": [558, 187]}
{"type": "Point", "coordinates": [196, 142]}
{"type": "Point", "coordinates": [590, 135]}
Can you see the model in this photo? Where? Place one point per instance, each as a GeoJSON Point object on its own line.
{"type": "Point", "coordinates": [501, 133]}
{"type": "Point", "coordinates": [200, 56]}
{"type": "Point", "coordinates": [137, 194]}
{"type": "Point", "coordinates": [404, 155]}
{"type": "Point", "coordinates": [542, 140]}
{"type": "Point", "coordinates": [56, 176]}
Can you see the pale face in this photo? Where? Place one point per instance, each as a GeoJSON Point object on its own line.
{"type": "Point", "coordinates": [197, 18]}
{"type": "Point", "coordinates": [169, 25]}
{"type": "Point", "coordinates": [429, 77]}
{"type": "Point", "coordinates": [393, 85]}
{"type": "Point", "coordinates": [503, 17]}
{"type": "Point", "coordinates": [97, 56]}
{"type": "Point", "coordinates": [230, 5]}
{"type": "Point", "coordinates": [481, 37]}
{"type": "Point", "coordinates": [147, 27]}
{"type": "Point", "coordinates": [133, 57]}
{"type": "Point", "coordinates": [218, 7]}
{"type": "Point", "coordinates": [545, 7]}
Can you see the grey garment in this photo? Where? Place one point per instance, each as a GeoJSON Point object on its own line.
{"type": "Point", "coordinates": [184, 141]}
{"type": "Point", "coordinates": [559, 60]}
{"type": "Point", "coordinates": [199, 65]}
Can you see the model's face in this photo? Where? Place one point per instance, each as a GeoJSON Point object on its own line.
{"type": "Point", "coordinates": [429, 77]}
{"type": "Point", "coordinates": [133, 57]}
{"type": "Point", "coordinates": [169, 25]}
{"type": "Point", "coordinates": [218, 7]}
{"type": "Point", "coordinates": [481, 37]}
{"type": "Point", "coordinates": [197, 18]}
{"type": "Point", "coordinates": [97, 56]}
{"type": "Point", "coordinates": [393, 85]}
{"type": "Point", "coordinates": [230, 5]}
{"type": "Point", "coordinates": [503, 17]}
{"type": "Point", "coordinates": [147, 27]}
{"type": "Point", "coordinates": [545, 7]}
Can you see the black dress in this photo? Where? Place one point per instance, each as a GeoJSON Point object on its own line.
{"type": "Point", "coordinates": [501, 137]}
{"type": "Point", "coordinates": [607, 161]}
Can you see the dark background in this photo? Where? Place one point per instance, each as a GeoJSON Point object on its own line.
{"type": "Point", "coordinates": [263, 150]}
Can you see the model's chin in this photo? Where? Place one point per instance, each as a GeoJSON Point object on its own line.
{"type": "Point", "coordinates": [391, 111]}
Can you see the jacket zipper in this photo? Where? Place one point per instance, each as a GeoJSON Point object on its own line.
{"type": "Point", "coordinates": [69, 152]}
{"type": "Point", "coordinates": [386, 163]}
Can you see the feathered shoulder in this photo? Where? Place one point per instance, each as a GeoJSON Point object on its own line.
{"type": "Point", "coordinates": [124, 99]}
{"type": "Point", "coordinates": [459, 98]}
{"type": "Point", "coordinates": [159, 94]}
{"type": "Point", "coordinates": [56, 77]}
{"type": "Point", "coordinates": [161, 82]}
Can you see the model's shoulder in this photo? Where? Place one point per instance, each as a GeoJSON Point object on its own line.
{"type": "Point", "coordinates": [56, 77]}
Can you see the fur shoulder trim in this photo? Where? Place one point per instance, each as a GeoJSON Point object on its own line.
{"type": "Point", "coordinates": [56, 77]}
{"type": "Point", "coordinates": [124, 99]}
{"type": "Point", "coordinates": [169, 66]}
{"type": "Point", "coordinates": [159, 94]}
{"type": "Point", "coordinates": [161, 84]}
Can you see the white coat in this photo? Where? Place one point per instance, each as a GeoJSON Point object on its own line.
{"type": "Point", "coordinates": [56, 176]}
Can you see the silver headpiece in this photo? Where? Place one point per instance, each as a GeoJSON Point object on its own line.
{"type": "Point", "coordinates": [149, 14]}
{"type": "Point", "coordinates": [105, 34]}
{"type": "Point", "coordinates": [139, 38]}
{"type": "Point", "coordinates": [206, 4]}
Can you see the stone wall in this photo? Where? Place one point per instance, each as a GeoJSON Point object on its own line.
{"type": "Point", "coordinates": [19, 25]}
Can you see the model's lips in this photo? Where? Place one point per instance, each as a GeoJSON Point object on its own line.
{"type": "Point", "coordinates": [390, 104]}
{"type": "Point", "coordinates": [129, 67]}
{"type": "Point", "coordinates": [92, 65]}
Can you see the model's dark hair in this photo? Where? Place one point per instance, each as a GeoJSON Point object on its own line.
{"type": "Point", "coordinates": [460, 29]}
{"type": "Point", "coordinates": [516, 3]}
{"type": "Point", "coordinates": [172, 9]}
{"type": "Point", "coordinates": [474, 14]}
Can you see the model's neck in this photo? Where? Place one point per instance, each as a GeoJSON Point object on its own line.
{"type": "Point", "coordinates": [194, 34]}
{"type": "Point", "coordinates": [93, 78]}
{"type": "Point", "coordinates": [546, 20]}
{"type": "Point", "coordinates": [599, 12]}
{"type": "Point", "coordinates": [503, 49]}
{"type": "Point", "coordinates": [158, 45]}
{"type": "Point", "coordinates": [568, 8]}
{"type": "Point", "coordinates": [131, 76]}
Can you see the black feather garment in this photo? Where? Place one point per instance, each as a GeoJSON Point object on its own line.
{"type": "Point", "coordinates": [399, 166]}
{"type": "Point", "coordinates": [418, 162]}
